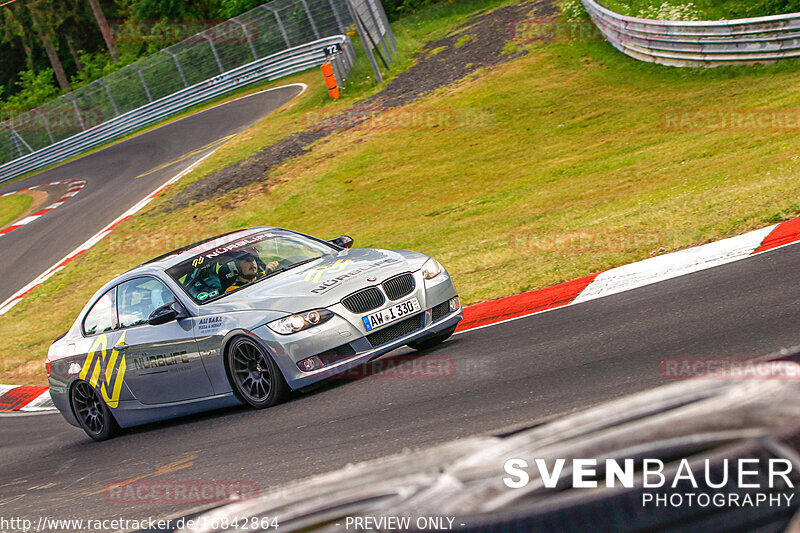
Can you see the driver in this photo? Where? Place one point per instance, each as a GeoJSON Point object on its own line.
{"type": "Point", "coordinates": [248, 266]}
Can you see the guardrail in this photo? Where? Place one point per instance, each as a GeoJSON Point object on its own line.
{"type": "Point", "coordinates": [700, 43]}
{"type": "Point", "coordinates": [271, 67]}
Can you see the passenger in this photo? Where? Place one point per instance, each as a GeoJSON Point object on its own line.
{"type": "Point", "coordinates": [248, 265]}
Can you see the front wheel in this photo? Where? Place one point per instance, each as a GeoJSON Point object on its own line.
{"type": "Point", "coordinates": [92, 413]}
{"type": "Point", "coordinates": [432, 340]}
{"type": "Point", "coordinates": [254, 376]}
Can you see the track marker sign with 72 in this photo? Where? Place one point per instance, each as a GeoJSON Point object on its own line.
{"type": "Point", "coordinates": [333, 49]}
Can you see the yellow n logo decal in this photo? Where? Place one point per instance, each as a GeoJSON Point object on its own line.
{"type": "Point", "coordinates": [100, 362]}
{"type": "Point", "coordinates": [315, 273]}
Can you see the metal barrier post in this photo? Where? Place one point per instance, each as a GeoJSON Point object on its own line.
{"type": "Point", "coordinates": [280, 24]}
{"type": "Point", "coordinates": [46, 125]}
{"type": "Point", "coordinates": [389, 32]}
{"type": "Point", "coordinates": [110, 97]}
{"type": "Point", "coordinates": [77, 111]}
{"type": "Point", "coordinates": [247, 36]}
{"type": "Point", "coordinates": [13, 141]}
{"type": "Point", "coordinates": [144, 84]}
{"type": "Point", "coordinates": [310, 18]}
{"type": "Point", "coordinates": [16, 138]}
{"type": "Point", "coordinates": [363, 34]}
{"type": "Point", "coordinates": [205, 36]}
{"type": "Point", "coordinates": [378, 23]}
{"type": "Point", "coordinates": [178, 65]}
{"type": "Point", "coordinates": [11, 138]}
{"type": "Point", "coordinates": [339, 22]}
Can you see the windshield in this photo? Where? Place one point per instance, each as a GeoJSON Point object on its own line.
{"type": "Point", "coordinates": [240, 262]}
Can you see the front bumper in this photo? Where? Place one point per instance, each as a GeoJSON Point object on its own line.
{"type": "Point", "coordinates": [348, 344]}
{"type": "Point", "coordinates": [302, 379]}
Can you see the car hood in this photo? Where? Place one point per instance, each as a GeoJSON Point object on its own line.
{"type": "Point", "coordinates": [320, 283]}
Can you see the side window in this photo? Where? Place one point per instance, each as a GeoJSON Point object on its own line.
{"type": "Point", "coordinates": [140, 297]}
{"type": "Point", "coordinates": [102, 316]}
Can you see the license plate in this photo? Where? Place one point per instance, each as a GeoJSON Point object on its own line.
{"type": "Point", "coordinates": [391, 314]}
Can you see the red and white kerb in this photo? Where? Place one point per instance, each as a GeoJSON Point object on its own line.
{"type": "Point", "coordinates": [73, 188]}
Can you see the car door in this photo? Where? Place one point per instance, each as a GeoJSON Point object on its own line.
{"type": "Point", "coordinates": [164, 364]}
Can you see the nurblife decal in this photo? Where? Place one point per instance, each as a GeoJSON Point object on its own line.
{"type": "Point", "coordinates": [328, 284]}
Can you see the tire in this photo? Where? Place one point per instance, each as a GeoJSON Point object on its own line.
{"type": "Point", "coordinates": [92, 413]}
{"type": "Point", "coordinates": [255, 378]}
{"type": "Point", "coordinates": [432, 340]}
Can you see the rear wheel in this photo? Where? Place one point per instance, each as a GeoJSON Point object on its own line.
{"type": "Point", "coordinates": [254, 376]}
{"type": "Point", "coordinates": [432, 340]}
{"type": "Point", "coordinates": [92, 413]}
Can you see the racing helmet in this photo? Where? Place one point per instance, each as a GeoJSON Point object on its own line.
{"type": "Point", "coordinates": [245, 253]}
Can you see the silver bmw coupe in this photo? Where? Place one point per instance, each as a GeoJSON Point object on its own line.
{"type": "Point", "coordinates": [242, 318]}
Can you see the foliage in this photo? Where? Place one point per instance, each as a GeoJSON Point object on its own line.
{"type": "Point", "coordinates": [757, 8]}
{"type": "Point", "coordinates": [152, 10]}
{"type": "Point", "coordinates": [573, 10]}
{"type": "Point", "coordinates": [99, 64]}
{"type": "Point", "coordinates": [395, 8]}
{"type": "Point", "coordinates": [26, 26]}
{"type": "Point", "coordinates": [231, 8]}
{"type": "Point", "coordinates": [702, 9]}
{"type": "Point", "coordinates": [36, 88]}
{"type": "Point", "coordinates": [70, 27]}
{"type": "Point", "coordinates": [667, 11]}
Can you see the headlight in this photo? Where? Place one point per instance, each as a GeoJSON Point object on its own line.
{"type": "Point", "coordinates": [431, 268]}
{"type": "Point", "coordinates": [300, 321]}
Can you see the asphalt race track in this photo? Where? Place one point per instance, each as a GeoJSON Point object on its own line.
{"type": "Point", "coordinates": [113, 186]}
{"type": "Point", "coordinates": [507, 375]}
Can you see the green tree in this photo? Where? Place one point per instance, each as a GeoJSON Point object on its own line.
{"type": "Point", "coordinates": [232, 8]}
{"type": "Point", "coordinates": [36, 88]}
{"type": "Point", "coordinates": [177, 10]}
{"type": "Point", "coordinates": [15, 28]}
{"type": "Point", "coordinates": [47, 18]}
{"type": "Point", "coordinates": [105, 29]}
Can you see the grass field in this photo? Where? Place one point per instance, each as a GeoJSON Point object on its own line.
{"type": "Point", "coordinates": [568, 161]}
{"type": "Point", "coordinates": [11, 207]}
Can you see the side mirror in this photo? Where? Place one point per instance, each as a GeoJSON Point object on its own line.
{"type": "Point", "coordinates": [165, 313]}
{"type": "Point", "coordinates": [342, 242]}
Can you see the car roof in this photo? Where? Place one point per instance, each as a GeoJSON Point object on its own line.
{"type": "Point", "coordinates": [178, 255]}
